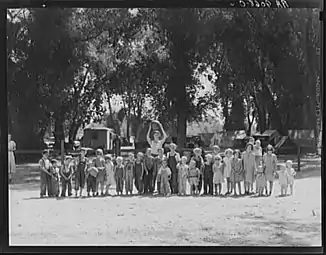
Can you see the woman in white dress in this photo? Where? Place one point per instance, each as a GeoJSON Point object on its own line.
{"type": "Point", "coordinates": [11, 157]}
{"type": "Point", "coordinates": [156, 143]}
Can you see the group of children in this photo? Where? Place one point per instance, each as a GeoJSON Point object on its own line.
{"type": "Point", "coordinates": [167, 173]}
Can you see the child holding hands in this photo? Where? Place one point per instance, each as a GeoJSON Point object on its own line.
{"type": "Point", "coordinates": [290, 172]}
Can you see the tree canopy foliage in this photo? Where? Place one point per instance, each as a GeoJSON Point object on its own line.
{"type": "Point", "coordinates": [64, 63]}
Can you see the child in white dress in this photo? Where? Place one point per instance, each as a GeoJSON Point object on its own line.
{"type": "Point", "coordinates": [290, 174]}
{"type": "Point", "coordinates": [218, 176]}
{"type": "Point", "coordinates": [260, 179]}
{"type": "Point", "coordinates": [228, 169]}
{"type": "Point", "coordinates": [109, 177]}
{"type": "Point", "coordinates": [182, 175]}
{"type": "Point", "coordinates": [283, 180]}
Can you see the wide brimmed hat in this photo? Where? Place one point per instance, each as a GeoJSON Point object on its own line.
{"type": "Point", "coordinates": [99, 151]}
{"type": "Point", "coordinates": [228, 150]}
{"type": "Point", "coordinates": [250, 144]}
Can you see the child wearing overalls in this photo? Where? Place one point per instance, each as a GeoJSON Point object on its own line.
{"type": "Point", "coordinates": [66, 175]}
{"type": "Point", "coordinates": [45, 165]}
{"type": "Point", "coordinates": [119, 175]}
{"type": "Point", "coordinates": [138, 173]}
{"type": "Point", "coordinates": [129, 174]}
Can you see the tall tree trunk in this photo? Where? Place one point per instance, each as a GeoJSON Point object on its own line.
{"type": "Point", "coordinates": [58, 131]}
{"type": "Point", "coordinates": [182, 128]}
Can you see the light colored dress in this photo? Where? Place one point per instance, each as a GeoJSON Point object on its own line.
{"type": "Point", "coordinates": [228, 166]}
{"type": "Point", "coordinates": [290, 173]}
{"type": "Point", "coordinates": [249, 166]}
{"type": "Point", "coordinates": [11, 157]}
{"type": "Point", "coordinates": [182, 178]}
{"type": "Point", "coordinates": [109, 167]}
{"type": "Point", "coordinates": [282, 177]}
{"type": "Point", "coordinates": [129, 176]}
{"type": "Point", "coordinates": [164, 174]}
{"type": "Point", "coordinates": [260, 178]}
{"type": "Point", "coordinates": [270, 164]}
{"type": "Point", "coordinates": [218, 176]}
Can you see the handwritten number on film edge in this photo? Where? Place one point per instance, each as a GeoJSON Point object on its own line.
{"type": "Point", "coordinates": [262, 3]}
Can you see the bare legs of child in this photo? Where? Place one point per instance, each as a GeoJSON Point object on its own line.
{"type": "Point", "coordinates": [247, 187]}
{"type": "Point", "coordinates": [235, 188]}
{"type": "Point", "coordinates": [107, 188]}
{"type": "Point", "coordinates": [218, 189]}
{"type": "Point", "coordinates": [291, 189]}
{"type": "Point", "coordinates": [268, 193]}
{"type": "Point", "coordinates": [228, 186]}
{"type": "Point", "coordinates": [284, 190]}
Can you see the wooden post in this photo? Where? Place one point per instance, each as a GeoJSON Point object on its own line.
{"type": "Point", "coordinates": [299, 152]}
{"type": "Point", "coordinates": [62, 152]}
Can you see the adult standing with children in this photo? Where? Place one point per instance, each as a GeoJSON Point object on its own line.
{"type": "Point", "coordinates": [270, 166]}
{"type": "Point", "coordinates": [249, 166]}
{"type": "Point", "coordinates": [11, 157]}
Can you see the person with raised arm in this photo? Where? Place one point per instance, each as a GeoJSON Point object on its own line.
{"type": "Point", "coordinates": [156, 142]}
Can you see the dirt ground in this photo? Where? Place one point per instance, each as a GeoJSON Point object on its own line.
{"type": "Point", "coordinates": [250, 221]}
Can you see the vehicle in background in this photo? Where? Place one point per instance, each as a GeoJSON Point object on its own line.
{"type": "Point", "coordinates": [98, 138]}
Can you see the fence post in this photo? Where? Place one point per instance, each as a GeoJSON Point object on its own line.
{"type": "Point", "coordinates": [299, 152]}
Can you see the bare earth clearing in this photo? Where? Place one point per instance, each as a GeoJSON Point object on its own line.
{"type": "Point", "coordinates": [288, 221]}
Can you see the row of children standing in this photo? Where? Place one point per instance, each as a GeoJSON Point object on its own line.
{"type": "Point", "coordinates": [168, 173]}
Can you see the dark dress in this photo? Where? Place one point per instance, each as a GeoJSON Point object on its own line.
{"type": "Point", "coordinates": [172, 164]}
{"type": "Point", "coordinates": [80, 174]}
{"type": "Point", "coordinates": [208, 179]}
{"type": "Point", "coordinates": [139, 168]}
{"type": "Point", "coordinates": [118, 175]}
{"type": "Point", "coordinates": [199, 165]}
{"type": "Point", "coordinates": [148, 177]}
{"type": "Point", "coordinates": [117, 146]}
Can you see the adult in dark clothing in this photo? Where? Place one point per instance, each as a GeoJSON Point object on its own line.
{"type": "Point", "coordinates": [117, 146]}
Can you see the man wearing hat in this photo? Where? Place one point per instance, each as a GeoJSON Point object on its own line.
{"type": "Point", "coordinates": [45, 165]}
